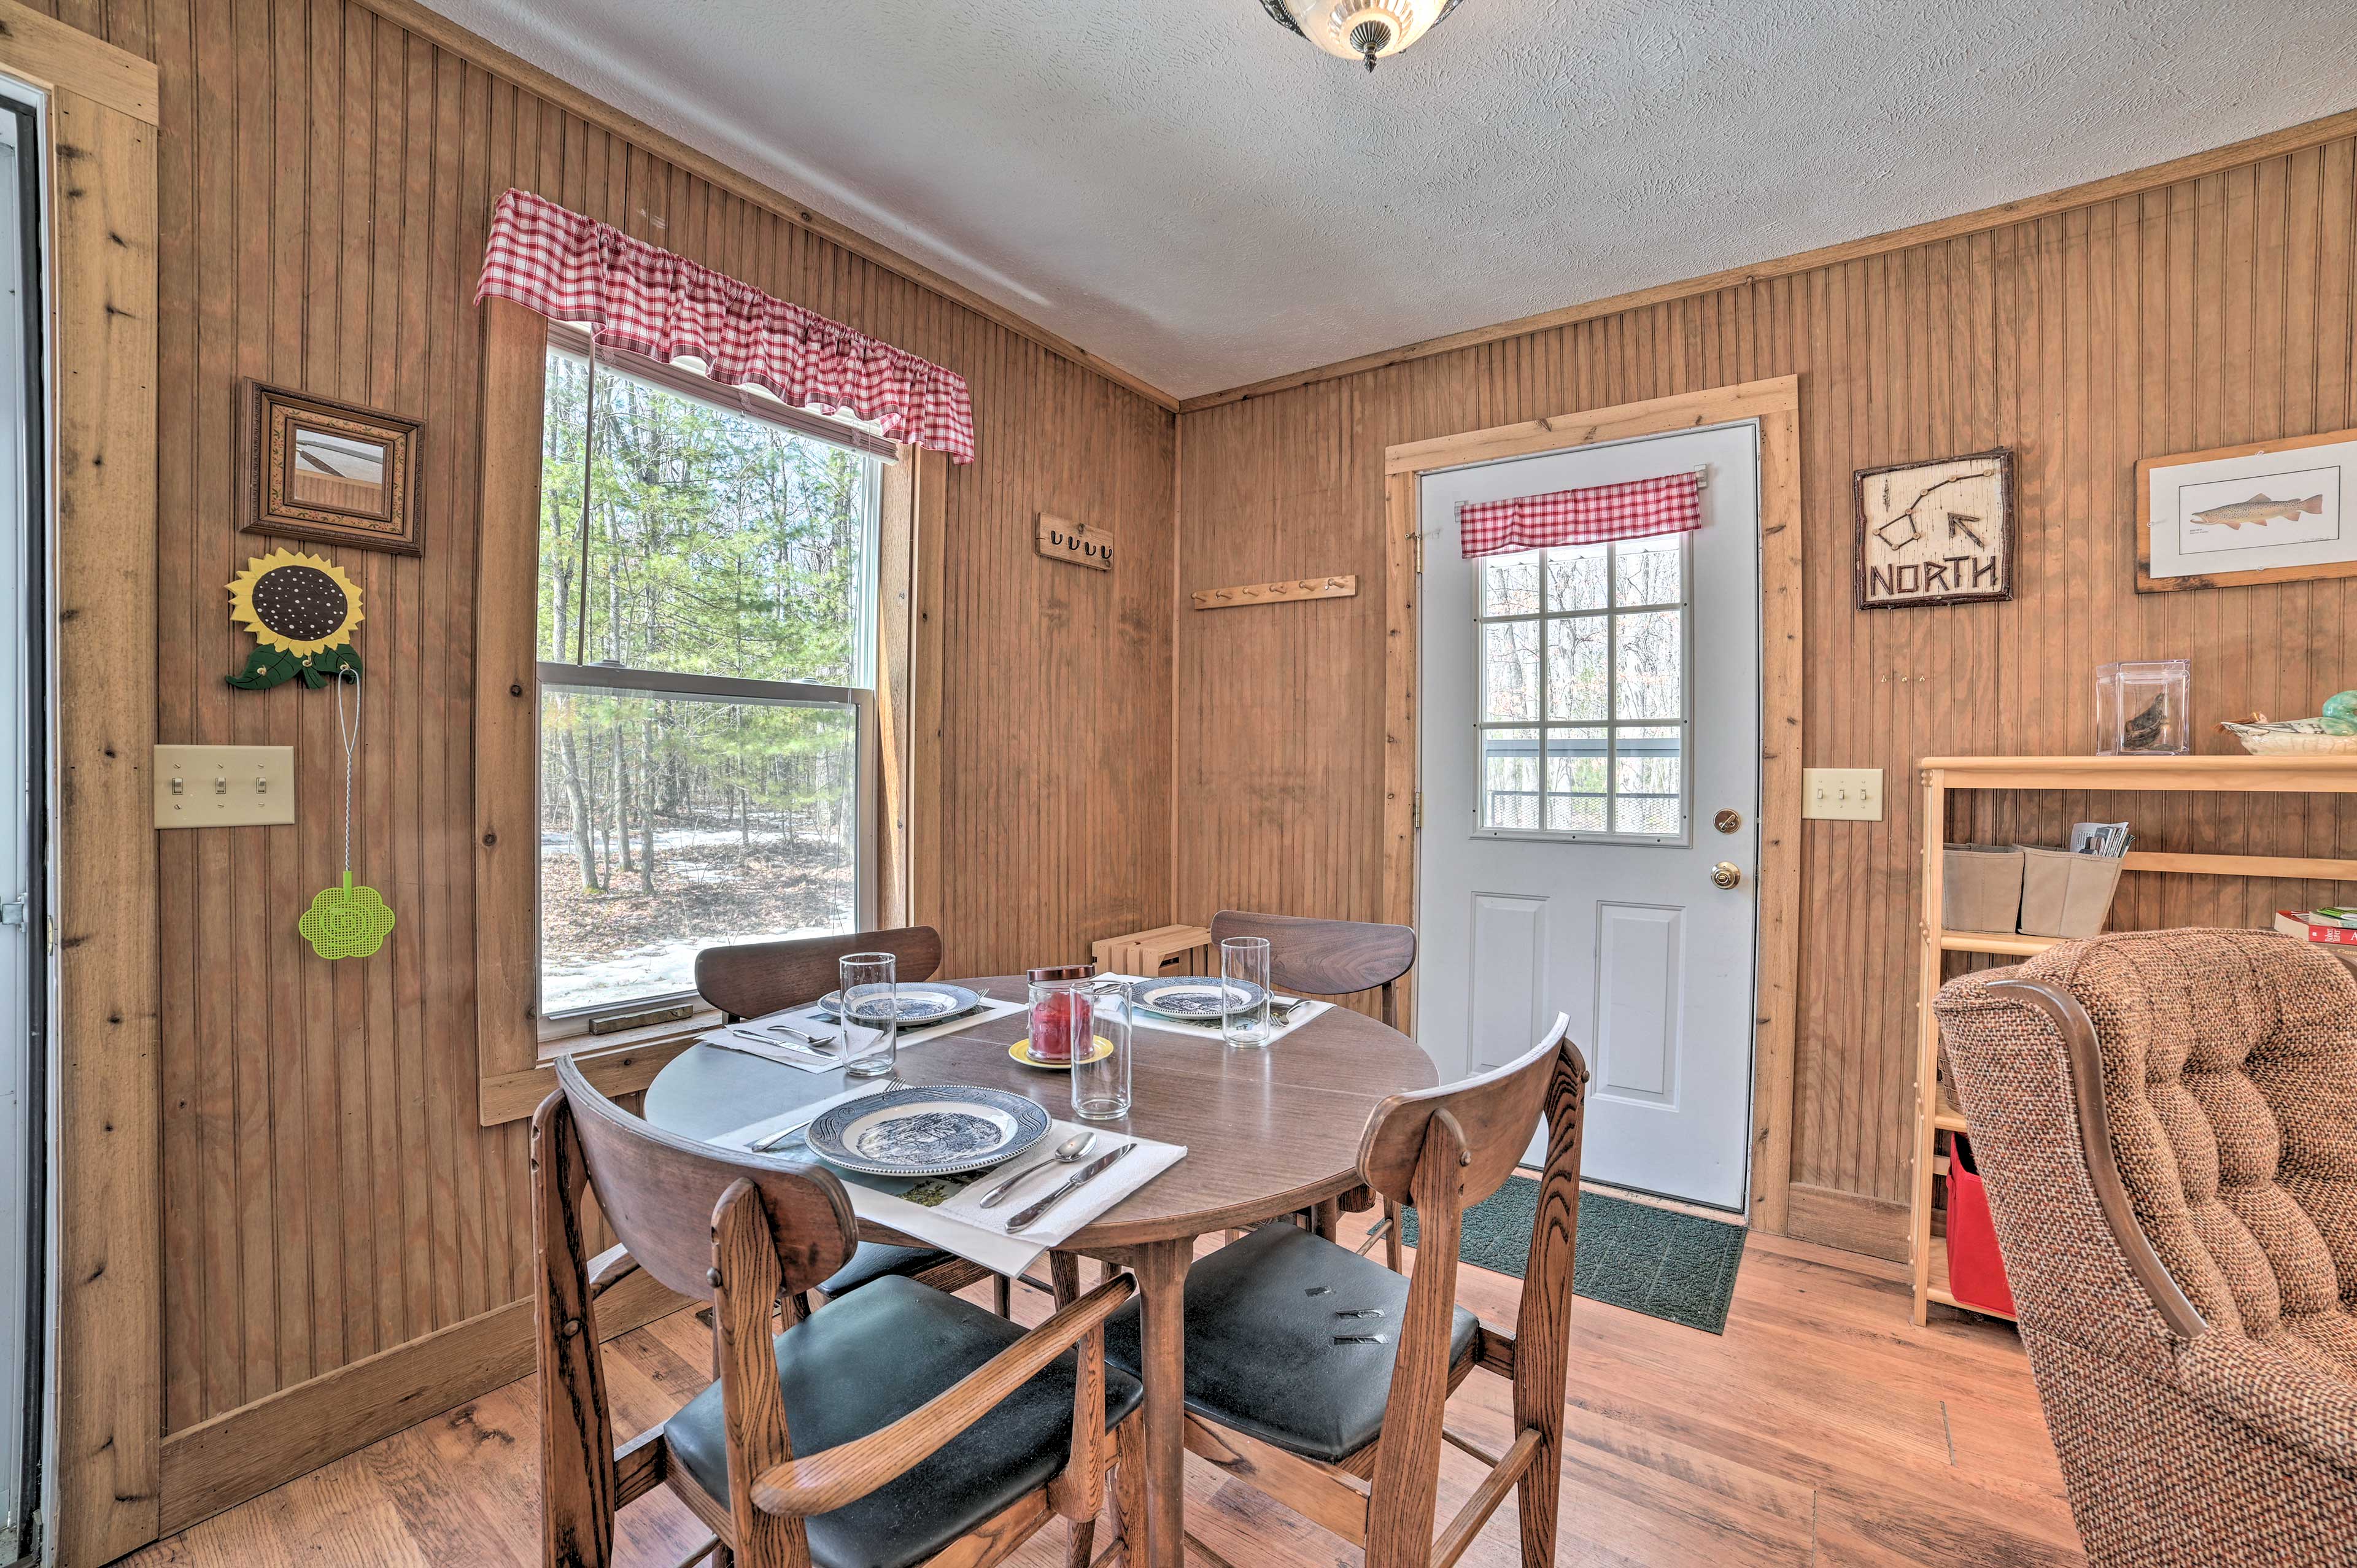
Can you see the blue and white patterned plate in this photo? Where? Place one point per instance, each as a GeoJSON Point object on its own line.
{"type": "Point", "coordinates": [1195, 996]}
{"type": "Point", "coordinates": [928, 1132]}
{"type": "Point", "coordinates": [915, 1001]}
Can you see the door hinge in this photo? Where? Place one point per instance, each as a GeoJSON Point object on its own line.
{"type": "Point", "coordinates": [13, 912]}
{"type": "Point", "coordinates": [1416, 811]}
{"type": "Point", "coordinates": [1418, 537]}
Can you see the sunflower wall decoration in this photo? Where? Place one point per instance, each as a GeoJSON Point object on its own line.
{"type": "Point", "coordinates": [301, 610]}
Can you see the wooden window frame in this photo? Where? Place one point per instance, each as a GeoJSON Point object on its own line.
{"type": "Point", "coordinates": [515, 1065]}
{"type": "Point", "coordinates": [1775, 405]}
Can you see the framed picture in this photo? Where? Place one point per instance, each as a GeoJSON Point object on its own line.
{"type": "Point", "coordinates": [1935, 533]}
{"type": "Point", "coordinates": [332, 472]}
{"type": "Point", "coordinates": [2272, 511]}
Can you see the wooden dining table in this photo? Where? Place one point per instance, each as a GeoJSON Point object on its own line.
{"type": "Point", "coordinates": [1268, 1131]}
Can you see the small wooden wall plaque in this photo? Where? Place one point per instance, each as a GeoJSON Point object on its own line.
{"type": "Point", "coordinates": [1081, 543]}
{"type": "Point", "coordinates": [1277, 593]}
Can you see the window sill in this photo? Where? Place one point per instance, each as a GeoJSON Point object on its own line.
{"type": "Point", "coordinates": [588, 1044]}
{"type": "Point", "coordinates": [617, 1064]}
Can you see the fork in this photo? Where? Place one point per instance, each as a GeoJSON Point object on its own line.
{"type": "Point", "coordinates": [770, 1141]}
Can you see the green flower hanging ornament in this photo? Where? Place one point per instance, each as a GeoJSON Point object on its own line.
{"type": "Point", "coordinates": [346, 921]}
{"type": "Point", "coordinates": [301, 610]}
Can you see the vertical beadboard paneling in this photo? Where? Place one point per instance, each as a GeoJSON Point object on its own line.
{"type": "Point", "coordinates": [327, 179]}
{"type": "Point", "coordinates": [2215, 310]}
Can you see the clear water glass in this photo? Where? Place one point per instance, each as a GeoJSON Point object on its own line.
{"type": "Point", "coordinates": [870, 1008]}
{"type": "Point", "coordinates": [1101, 1063]}
{"type": "Point", "coordinates": [1244, 971]}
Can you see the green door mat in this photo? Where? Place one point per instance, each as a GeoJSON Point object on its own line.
{"type": "Point", "coordinates": [1677, 1267]}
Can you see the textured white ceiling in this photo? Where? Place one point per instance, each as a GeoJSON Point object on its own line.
{"type": "Point", "coordinates": [1205, 199]}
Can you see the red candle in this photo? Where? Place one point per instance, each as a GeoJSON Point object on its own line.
{"type": "Point", "coordinates": [1059, 1012]}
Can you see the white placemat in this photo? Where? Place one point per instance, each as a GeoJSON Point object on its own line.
{"type": "Point", "coordinates": [747, 1036]}
{"type": "Point", "coordinates": [1209, 1030]}
{"type": "Point", "coordinates": [946, 1211]}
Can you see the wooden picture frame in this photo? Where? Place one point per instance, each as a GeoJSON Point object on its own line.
{"type": "Point", "coordinates": [1967, 560]}
{"type": "Point", "coordinates": [2316, 514]}
{"type": "Point", "coordinates": [332, 472]}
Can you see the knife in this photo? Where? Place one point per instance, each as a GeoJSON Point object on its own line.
{"type": "Point", "coordinates": [1030, 1215]}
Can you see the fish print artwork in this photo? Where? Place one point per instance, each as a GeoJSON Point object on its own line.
{"type": "Point", "coordinates": [2258, 509]}
{"type": "Point", "coordinates": [2266, 511]}
{"type": "Point", "coordinates": [2298, 507]}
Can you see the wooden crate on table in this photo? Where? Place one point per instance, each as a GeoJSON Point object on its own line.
{"type": "Point", "coordinates": [1166, 949]}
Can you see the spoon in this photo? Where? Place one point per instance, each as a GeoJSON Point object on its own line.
{"type": "Point", "coordinates": [1072, 1149]}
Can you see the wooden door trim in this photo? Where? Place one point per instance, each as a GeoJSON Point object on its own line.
{"type": "Point", "coordinates": [1775, 405]}
{"type": "Point", "coordinates": [107, 1097]}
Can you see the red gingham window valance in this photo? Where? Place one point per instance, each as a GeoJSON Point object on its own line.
{"type": "Point", "coordinates": [575, 269]}
{"type": "Point", "coordinates": [1633, 509]}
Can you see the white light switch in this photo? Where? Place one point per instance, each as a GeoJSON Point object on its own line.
{"type": "Point", "coordinates": [223, 786]}
{"type": "Point", "coordinates": [1852, 794]}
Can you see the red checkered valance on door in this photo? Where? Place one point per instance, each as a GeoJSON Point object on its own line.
{"type": "Point", "coordinates": [1633, 509]}
{"type": "Point", "coordinates": [575, 269]}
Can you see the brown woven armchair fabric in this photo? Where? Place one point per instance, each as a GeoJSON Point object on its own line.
{"type": "Point", "coordinates": [2187, 1277]}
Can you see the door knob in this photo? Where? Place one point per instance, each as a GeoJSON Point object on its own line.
{"type": "Point", "coordinates": [1726, 873]}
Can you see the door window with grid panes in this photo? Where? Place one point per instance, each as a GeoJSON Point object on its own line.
{"type": "Point", "coordinates": [1584, 702]}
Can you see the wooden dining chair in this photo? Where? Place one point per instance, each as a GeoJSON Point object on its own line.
{"type": "Point", "coordinates": [895, 1427]}
{"type": "Point", "coordinates": [747, 980]}
{"type": "Point", "coordinates": [1322, 1378]}
{"type": "Point", "coordinates": [1333, 958]}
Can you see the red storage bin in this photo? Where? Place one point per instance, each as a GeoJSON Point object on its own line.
{"type": "Point", "coordinates": [1975, 1269]}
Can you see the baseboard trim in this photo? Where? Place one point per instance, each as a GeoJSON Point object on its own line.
{"type": "Point", "coordinates": [243, 1453]}
{"type": "Point", "coordinates": [1850, 1220]}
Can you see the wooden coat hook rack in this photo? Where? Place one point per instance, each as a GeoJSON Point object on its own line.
{"type": "Point", "coordinates": [1276, 593]}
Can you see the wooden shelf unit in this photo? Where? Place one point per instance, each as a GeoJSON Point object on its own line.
{"type": "Point", "coordinates": [1935, 1110]}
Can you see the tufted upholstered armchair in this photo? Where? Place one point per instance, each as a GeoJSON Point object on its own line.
{"type": "Point", "coordinates": [2167, 1124]}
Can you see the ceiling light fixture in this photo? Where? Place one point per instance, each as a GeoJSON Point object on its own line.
{"type": "Point", "coordinates": [1365, 30]}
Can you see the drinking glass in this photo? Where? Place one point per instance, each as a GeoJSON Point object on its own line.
{"type": "Point", "coordinates": [1101, 1082]}
{"type": "Point", "coordinates": [1059, 1010]}
{"type": "Point", "coordinates": [870, 1007]}
{"type": "Point", "coordinates": [1244, 969]}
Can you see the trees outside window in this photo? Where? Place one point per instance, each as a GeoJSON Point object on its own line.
{"type": "Point", "coordinates": [706, 645]}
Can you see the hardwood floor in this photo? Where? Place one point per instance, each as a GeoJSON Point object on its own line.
{"type": "Point", "coordinates": [1822, 1430]}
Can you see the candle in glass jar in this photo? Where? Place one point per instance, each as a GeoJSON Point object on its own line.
{"type": "Point", "coordinates": [1060, 1012]}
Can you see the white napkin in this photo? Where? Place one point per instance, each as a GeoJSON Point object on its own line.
{"type": "Point", "coordinates": [748, 1036]}
{"type": "Point", "coordinates": [958, 1222]}
{"type": "Point", "coordinates": [779, 1049]}
{"type": "Point", "coordinates": [1209, 1030]}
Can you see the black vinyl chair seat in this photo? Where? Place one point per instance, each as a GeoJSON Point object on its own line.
{"type": "Point", "coordinates": [1262, 1322]}
{"type": "Point", "coordinates": [876, 1259]}
{"type": "Point", "coordinates": [858, 1364]}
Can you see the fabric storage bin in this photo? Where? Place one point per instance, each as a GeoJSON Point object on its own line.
{"type": "Point", "coordinates": [2066, 894]}
{"type": "Point", "coordinates": [1975, 1267]}
{"type": "Point", "coordinates": [1980, 887]}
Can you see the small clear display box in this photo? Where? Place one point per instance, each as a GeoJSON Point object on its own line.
{"type": "Point", "coordinates": [2143, 708]}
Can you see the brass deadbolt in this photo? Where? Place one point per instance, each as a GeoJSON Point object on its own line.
{"type": "Point", "coordinates": [1727, 821]}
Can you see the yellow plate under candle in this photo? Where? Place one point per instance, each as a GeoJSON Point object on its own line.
{"type": "Point", "coordinates": [1021, 1051]}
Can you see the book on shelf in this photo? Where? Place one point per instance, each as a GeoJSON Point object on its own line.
{"type": "Point", "coordinates": [2316, 926]}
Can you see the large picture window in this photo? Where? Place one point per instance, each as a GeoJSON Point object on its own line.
{"type": "Point", "coordinates": [706, 647]}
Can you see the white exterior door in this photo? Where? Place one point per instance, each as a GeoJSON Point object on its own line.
{"type": "Point", "coordinates": [1590, 754]}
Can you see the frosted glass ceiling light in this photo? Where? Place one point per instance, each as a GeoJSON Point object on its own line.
{"type": "Point", "coordinates": [1365, 30]}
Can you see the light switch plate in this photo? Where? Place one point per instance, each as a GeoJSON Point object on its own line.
{"type": "Point", "coordinates": [223, 786]}
{"type": "Point", "coordinates": [1848, 794]}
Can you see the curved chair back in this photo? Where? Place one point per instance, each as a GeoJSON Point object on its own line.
{"type": "Point", "coordinates": [749, 979]}
{"type": "Point", "coordinates": [1333, 958]}
{"type": "Point", "coordinates": [659, 1192]}
{"type": "Point", "coordinates": [1444, 1149]}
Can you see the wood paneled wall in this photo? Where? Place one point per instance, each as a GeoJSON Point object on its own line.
{"type": "Point", "coordinates": [2211, 311]}
{"type": "Point", "coordinates": [327, 179]}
